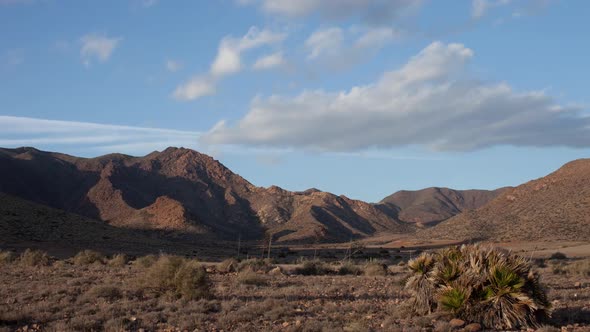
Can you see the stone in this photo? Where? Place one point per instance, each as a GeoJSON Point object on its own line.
{"type": "Point", "coordinates": [456, 323]}
{"type": "Point", "coordinates": [578, 284]}
{"type": "Point", "coordinates": [473, 327]}
{"type": "Point", "coordinates": [285, 324]}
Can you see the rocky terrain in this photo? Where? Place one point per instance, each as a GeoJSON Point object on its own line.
{"type": "Point", "coordinates": [186, 191]}
{"type": "Point", "coordinates": [432, 205]}
{"type": "Point", "coordinates": [553, 208]}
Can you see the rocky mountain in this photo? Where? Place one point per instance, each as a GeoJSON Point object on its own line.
{"type": "Point", "coordinates": [552, 208]}
{"type": "Point", "coordinates": [431, 205]}
{"type": "Point", "coordinates": [185, 191]}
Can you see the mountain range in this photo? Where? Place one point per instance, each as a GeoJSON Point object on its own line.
{"type": "Point", "coordinates": [180, 192]}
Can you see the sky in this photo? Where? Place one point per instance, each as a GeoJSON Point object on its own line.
{"type": "Point", "coordinates": [357, 97]}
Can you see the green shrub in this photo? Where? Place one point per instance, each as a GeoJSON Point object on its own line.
{"type": "Point", "coordinates": [478, 284]}
{"type": "Point", "coordinates": [349, 268]}
{"type": "Point", "coordinates": [313, 268]}
{"type": "Point", "coordinates": [34, 258]}
{"type": "Point", "coordinates": [87, 257]}
{"type": "Point", "coordinates": [146, 261]}
{"type": "Point", "coordinates": [118, 260]}
{"type": "Point", "coordinates": [7, 257]}
{"type": "Point", "coordinates": [176, 275]}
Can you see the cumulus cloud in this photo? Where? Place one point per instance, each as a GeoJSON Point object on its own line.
{"type": "Point", "coordinates": [227, 61]}
{"type": "Point", "coordinates": [371, 11]}
{"type": "Point", "coordinates": [431, 101]}
{"type": "Point", "coordinates": [269, 61]}
{"type": "Point", "coordinates": [337, 47]}
{"type": "Point", "coordinates": [98, 47]}
{"type": "Point", "coordinates": [22, 131]}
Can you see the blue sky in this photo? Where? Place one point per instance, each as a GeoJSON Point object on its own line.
{"type": "Point", "coordinates": [356, 97]}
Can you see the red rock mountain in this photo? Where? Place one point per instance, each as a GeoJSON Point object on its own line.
{"type": "Point", "coordinates": [431, 205]}
{"type": "Point", "coordinates": [552, 208]}
{"type": "Point", "coordinates": [186, 191]}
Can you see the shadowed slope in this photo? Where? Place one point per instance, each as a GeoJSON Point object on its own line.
{"type": "Point", "coordinates": [555, 207]}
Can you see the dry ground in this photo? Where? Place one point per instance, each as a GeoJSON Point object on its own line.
{"type": "Point", "coordinates": [100, 297]}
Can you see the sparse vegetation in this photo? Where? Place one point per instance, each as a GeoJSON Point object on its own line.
{"type": "Point", "coordinates": [255, 264]}
{"type": "Point", "coordinates": [349, 268]}
{"type": "Point", "coordinates": [178, 276]}
{"type": "Point", "coordinates": [7, 257]}
{"type": "Point", "coordinates": [558, 256]}
{"type": "Point", "coordinates": [107, 292]}
{"type": "Point", "coordinates": [314, 268]}
{"type": "Point", "coordinates": [87, 257]}
{"type": "Point", "coordinates": [228, 265]}
{"type": "Point", "coordinates": [375, 269]}
{"type": "Point", "coordinates": [32, 257]}
{"type": "Point", "coordinates": [181, 295]}
{"type": "Point", "coordinates": [478, 284]}
{"type": "Point", "coordinates": [146, 261]}
{"type": "Point", "coordinates": [249, 277]}
{"type": "Point", "coordinates": [118, 260]}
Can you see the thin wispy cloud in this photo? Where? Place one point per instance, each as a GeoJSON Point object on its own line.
{"type": "Point", "coordinates": [97, 47]}
{"type": "Point", "coordinates": [431, 101]}
{"type": "Point", "coordinates": [23, 131]}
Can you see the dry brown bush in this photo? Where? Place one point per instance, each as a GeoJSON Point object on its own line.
{"type": "Point", "coordinates": [87, 257]}
{"type": "Point", "coordinates": [34, 258]}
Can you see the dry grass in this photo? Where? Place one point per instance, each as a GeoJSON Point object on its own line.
{"type": "Point", "coordinates": [34, 258]}
{"type": "Point", "coordinates": [87, 257]}
{"type": "Point", "coordinates": [101, 297]}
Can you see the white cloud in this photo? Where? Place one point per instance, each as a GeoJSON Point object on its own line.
{"type": "Point", "coordinates": [227, 61]}
{"type": "Point", "coordinates": [97, 47]}
{"type": "Point", "coordinates": [338, 48]}
{"type": "Point", "coordinates": [327, 41]}
{"type": "Point", "coordinates": [173, 66]}
{"type": "Point", "coordinates": [430, 101]}
{"type": "Point", "coordinates": [195, 88]}
{"type": "Point", "coordinates": [22, 131]}
{"type": "Point", "coordinates": [371, 11]}
{"type": "Point", "coordinates": [269, 61]}
{"type": "Point", "coordinates": [480, 7]}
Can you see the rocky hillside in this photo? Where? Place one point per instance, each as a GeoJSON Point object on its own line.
{"type": "Point", "coordinates": [185, 191]}
{"type": "Point", "coordinates": [432, 205]}
{"type": "Point", "coordinates": [555, 207]}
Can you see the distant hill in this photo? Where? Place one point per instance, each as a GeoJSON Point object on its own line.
{"type": "Point", "coordinates": [554, 207]}
{"type": "Point", "coordinates": [185, 191]}
{"type": "Point", "coordinates": [432, 205]}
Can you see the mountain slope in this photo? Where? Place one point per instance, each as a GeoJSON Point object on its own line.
{"type": "Point", "coordinates": [24, 224]}
{"type": "Point", "coordinates": [432, 205]}
{"type": "Point", "coordinates": [185, 191]}
{"type": "Point", "coordinates": [555, 207]}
